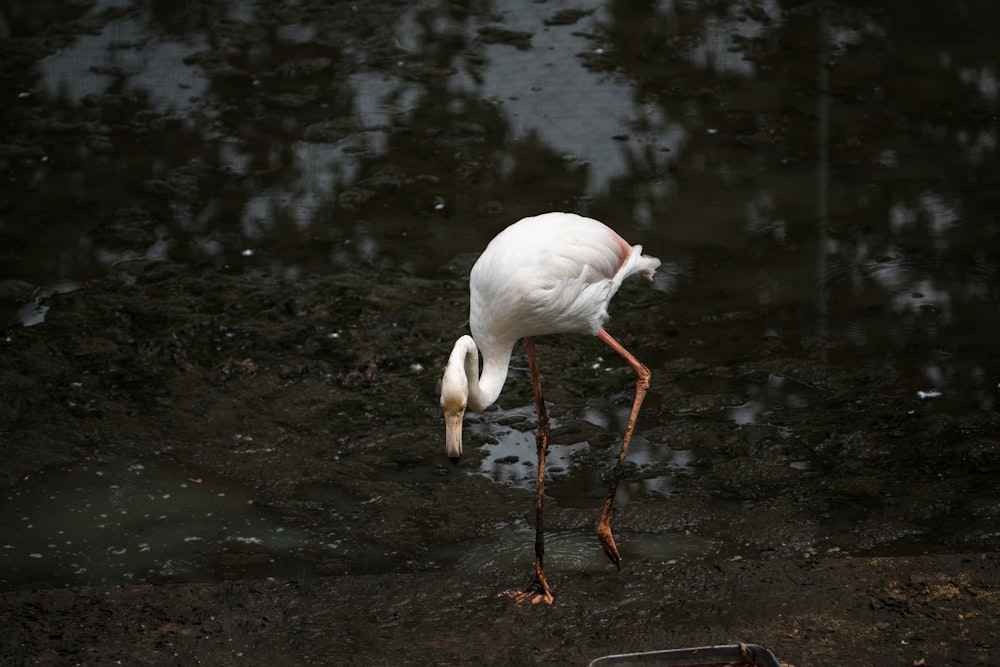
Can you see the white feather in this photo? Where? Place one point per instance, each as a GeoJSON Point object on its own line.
{"type": "Point", "coordinates": [552, 273]}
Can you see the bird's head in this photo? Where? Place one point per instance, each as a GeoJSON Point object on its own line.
{"type": "Point", "coordinates": [454, 399]}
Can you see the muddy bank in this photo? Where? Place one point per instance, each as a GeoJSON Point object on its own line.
{"type": "Point", "coordinates": [314, 397]}
{"type": "Point", "coordinates": [936, 610]}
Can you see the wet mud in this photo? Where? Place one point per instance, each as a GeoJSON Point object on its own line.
{"type": "Point", "coordinates": [223, 378]}
{"type": "Point", "coordinates": [271, 395]}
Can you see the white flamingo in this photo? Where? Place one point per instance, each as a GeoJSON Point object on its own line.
{"type": "Point", "coordinates": [548, 274]}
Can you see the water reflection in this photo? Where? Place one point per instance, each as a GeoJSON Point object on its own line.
{"type": "Point", "coordinates": [748, 399]}
{"type": "Point", "coordinates": [680, 120]}
{"type": "Point", "coordinates": [511, 454]}
{"type": "Point", "coordinates": [125, 58]}
{"type": "Point", "coordinates": [581, 467]}
{"type": "Point", "coordinates": [577, 91]}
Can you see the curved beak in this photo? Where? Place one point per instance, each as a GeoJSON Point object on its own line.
{"type": "Point", "coordinates": [453, 435]}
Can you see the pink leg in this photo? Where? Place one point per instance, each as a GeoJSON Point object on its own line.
{"type": "Point", "coordinates": [540, 591]}
{"type": "Point", "coordinates": [641, 385]}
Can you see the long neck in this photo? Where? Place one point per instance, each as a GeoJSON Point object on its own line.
{"type": "Point", "coordinates": [484, 388]}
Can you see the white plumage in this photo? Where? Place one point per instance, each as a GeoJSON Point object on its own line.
{"type": "Point", "coordinates": [553, 273]}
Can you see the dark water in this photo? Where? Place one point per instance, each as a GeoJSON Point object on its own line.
{"type": "Point", "coordinates": [821, 184]}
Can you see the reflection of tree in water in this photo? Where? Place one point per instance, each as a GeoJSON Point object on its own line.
{"type": "Point", "coordinates": [322, 134]}
{"type": "Point", "coordinates": [916, 238]}
{"type": "Point", "coordinates": [908, 257]}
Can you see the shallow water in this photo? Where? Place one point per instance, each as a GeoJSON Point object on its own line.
{"type": "Point", "coordinates": [113, 522]}
{"type": "Point", "coordinates": [821, 185]}
{"type": "Point", "coordinates": [513, 545]}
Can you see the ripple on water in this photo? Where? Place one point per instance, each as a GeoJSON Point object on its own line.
{"type": "Point", "coordinates": [512, 547]}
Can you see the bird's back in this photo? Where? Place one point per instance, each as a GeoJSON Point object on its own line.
{"type": "Point", "coordinates": [552, 273]}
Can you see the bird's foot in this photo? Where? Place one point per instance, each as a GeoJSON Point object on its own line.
{"type": "Point", "coordinates": [608, 544]}
{"type": "Point", "coordinates": [535, 593]}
